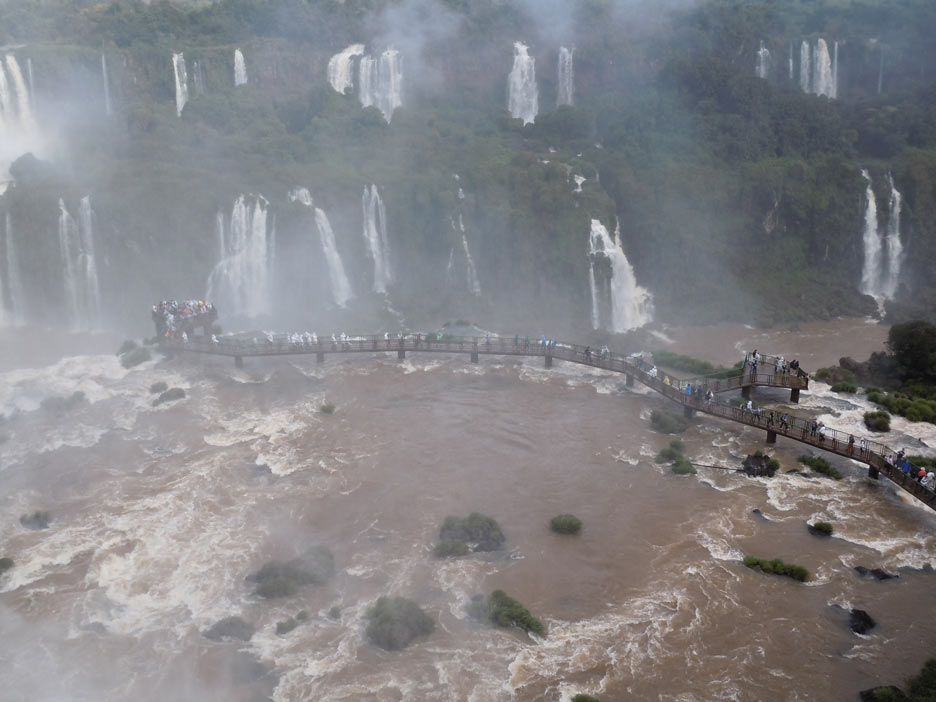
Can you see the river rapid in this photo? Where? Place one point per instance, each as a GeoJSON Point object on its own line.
{"type": "Point", "coordinates": [158, 514]}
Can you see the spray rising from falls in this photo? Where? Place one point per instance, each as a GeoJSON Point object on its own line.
{"type": "Point", "coordinates": [375, 236]}
{"type": "Point", "coordinates": [19, 132]}
{"type": "Point", "coordinates": [380, 82]}
{"type": "Point", "coordinates": [472, 283]}
{"type": "Point", "coordinates": [631, 305]}
{"type": "Point", "coordinates": [107, 100]}
{"type": "Point", "coordinates": [340, 287]}
{"type": "Point", "coordinates": [241, 279]}
{"type": "Point", "coordinates": [566, 81]}
{"type": "Point", "coordinates": [894, 245]}
{"type": "Point", "coordinates": [339, 68]}
{"type": "Point", "coordinates": [522, 95]}
{"type": "Point", "coordinates": [181, 82]}
{"type": "Point", "coordinates": [13, 299]}
{"type": "Point", "coordinates": [240, 69]}
{"type": "Point", "coordinates": [762, 63]}
{"type": "Point", "coordinates": [871, 269]}
{"type": "Point", "coordinates": [79, 268]}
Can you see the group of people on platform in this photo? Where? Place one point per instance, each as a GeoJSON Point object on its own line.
{"type": "Point", "coordinates": [925, 477]}
{"type": "Point", "coordinates": [172, 317]}
{"type": "Point", "coordinates": [781, 365]}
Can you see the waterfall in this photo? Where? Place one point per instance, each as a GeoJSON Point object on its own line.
{"type": "Point", "coordinates": [805, 69]}
{"type": "Point", "coordinates": [79, 268]}
{"type": "Point", "coordinates": [241, 279]}
{"type": "Point", "coordinates": [375, 236]}
{"type": "Point", "coordinates": [791, 61]}
{"type": "Point", "coordinates": [894, 246]}
{"type": "Point", "coordinates": [107, 101]}
{"type": "Point", "coordinates": [23, 105]}
{"type": "Point", "coordinates": [340, 287]}
{"type": "Point", "coordinates": [181, 82]}
{"type": "Point", "coordinates": [631, 305]}
{"type": "Point", "coordinates": [871, 270]}
{"type": "Point", "coordinates": [762, 63]}
{"type": "Point", "coordinates": [339, 68]}
{"type": "Point", "coordinates": [240, 69]}
{"type": "Point", "coordinates": [380, 82]}
{"type": "Point", "coordinates": [471, 272]}
{"type": "Point", "coordinates": [198, 78]}
{"type": "Point", "coordinates": [566, 77]}
{"type": "Point", "coordinates": [7, 111]}
{"type": "Point", "coordinates": [522, 96]}
{"type": "Point", "coordinates": [823, 82]}
{"type": "Point", "coordinates": [29, 77]}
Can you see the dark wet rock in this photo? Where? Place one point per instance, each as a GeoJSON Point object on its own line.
{"type": "Point", "coordinates": [887, 693]}
{"type": "Point", "coordinates": [169, 396]}
{"type": "Point", "coordinates": [135, 357]}
{"type": "Point", "coordinates": [876, 573]}
{"type": "Point", "coordinates": [284, 627]}
{"type": "Point", "coordinates": [160, 386]}
{"type": "Point", "coordinates": [860, 621]}
{"type": "Point", "coordinates": [36, 520]}
{"type": "Point", "coordinates": [230, 628]}
{"type": "Point", "coordinates": [282, 579]}
{"type": "Point", "coordinates": [5, 565]}
{"type": "Point", "coordinates": [61, 405]}
{"type": "Point", "coordinates": [760, 515]}
{"type": "Point", "coordinates": [396, 622]}
{"type": "Point", "coordinates": [758, 465]}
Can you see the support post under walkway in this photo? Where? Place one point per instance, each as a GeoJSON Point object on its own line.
{"type": "Point", "coordinates": [320, 357]}
{"type": "Point", "coordinates": [401, 354]}
{"type": "Point", "coordinates": [548, 360]}
{"type": "Point", "coordinates": [746, 392]}
{"type": "Point", "coordinates": [794, 396]}
{"type": "Point", "coordinates": [688, 411]}
{"type": "Point", "coordinates": [474, 356]}
{"type": "Point", "coordinates": [628, 380]}
{"type": "Point", "coordinates": [238, 361]}
{"type": "Point", "coordinates": [873, 473]}
{"type": "Point", "coordinates": [771, 437]}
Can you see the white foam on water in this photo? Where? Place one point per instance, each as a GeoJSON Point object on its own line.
{"type": "Point", "coordinates": [662, 337]}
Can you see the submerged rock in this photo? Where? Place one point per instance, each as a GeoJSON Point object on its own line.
{"type": "Point", "coordinates": [860, 621]}
{"type": "Point", "coordinates": [876, 573]}
{"type": "Point", "coordinates": [760, 515]}
{"type": "Point", "coordinates": [230, 628]}
{"type": "Point", "coordinates": [36, 520]}
{"type": "Point", "coordinates": [169, 395]}
{"type": "Point", "coordinates": [479, 531]}
{"type": "Point", "coordinates": [279, 579]}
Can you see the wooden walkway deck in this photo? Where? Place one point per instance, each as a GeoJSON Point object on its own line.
{"type": "Point", "coordinates": [879, 457]}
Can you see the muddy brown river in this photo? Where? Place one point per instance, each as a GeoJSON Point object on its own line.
{"type": "Point", "coordinates": [158, 514]}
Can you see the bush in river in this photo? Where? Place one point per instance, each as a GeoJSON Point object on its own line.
{"type": "Point", "coordinates": [877, 421]}
{"type": "Point", "coordinates": [476, 528]}
{"type": "Point", "coordinates": [278, 579]}
{"type": "Point", "coordinates": [566, 524]}
{"type": "Point", "coordinates": [36, 520]}
{"type": "Point", "coordinates": [667, 422]}
{"type": "Point", "coordinates": [777, 567]}
{"type": "Point", "coordinates": [820, 529]}
{"type": "Point", "coordinates": [582, 697]}
{"type": "Point", "coordinates": [135, 357]}
{"type": "Point", "coordinates": [126, 346]}
{"type": "Point", "coordinates": [820, 465]}
{"type": "Point", "coordinates": [504, 611]}
{"type": "Point", "coordinates": [844, 387]}
{"type": "Point", "coordinates": [683, 467]}
{"type": "Point", "coordinates": [670, 452]}
{"type": "Point", "coordinates": [447, 548]}
{"type": "Point", "coordinates": [327, 408]}
{"type": "Point", "coordinates": [158, 387]}
{"type": "Point", "coordinates": [5, 565]}
{"type": "Point", "coordinates": [393, 623]}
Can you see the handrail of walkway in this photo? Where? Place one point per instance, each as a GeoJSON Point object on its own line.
{"type": "Point", "coordinates": [873, 453]}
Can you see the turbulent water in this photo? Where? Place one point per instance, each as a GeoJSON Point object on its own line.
{"type": "Point", "coordinates": [181, 82]}
{"type": "Point", "coordinates": [340, 286]}
{"type": "Point", "coordinates": [883, 251]}
{"type": "Point", "coordinates": [630, 304]}
{"type": "Point", "coordinates": [240, 68]}
{"type": "Point", "coordinates": [823, 80]}
{"type": "Point", "coordinates": [522, 93]}
{"type": "Point", "coordinates": [566, 77]}
{"type": "Point", "coordinates": [18, 129]}
{"type": "Point", "coordinates": [159, 513]}
{"type": "Point", "coordinates": [871, 238]}
{"type": "Point", "coordinates": [805, 69]}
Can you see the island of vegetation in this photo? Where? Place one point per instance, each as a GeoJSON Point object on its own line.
{"type": "Point", "coordinates": [394, 623]}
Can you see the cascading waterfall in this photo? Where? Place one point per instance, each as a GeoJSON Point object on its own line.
{"type": "Point", "coordinates": [107, 100]}
{"type": "Point", "coordinates": [23, 105]}
{"type": "Point", "coordinates": [566, 80]}
{"type": "Point", "coordinates": [240, 68]}
{"type": "Point", "coordinates": [375, 236]}
{"type": "Point", "coordinates": [19, 131]}
{"type": "Point", "coordinates": [198, 78]}
{"type": "Point", "coordinates": [339, 68]}
{"type": "Point", "coordinates": [241, 279]}
{"type": "Point", "coordinates": [805, 67]}
{"type": "Point", "coordinates": [79, 268]}
{"type": "Point", "coordinates": [871, 269]}
{"type": "Point", "coordinates": [791, 61]}
{"type": "Point", "coordinates": [181, 82]}
{"type": "Point", "coordinates": [894, 245]}
{"type": "Point", "coordinates": [835, 65]}
{"type": "Point", "coordinates": [380, 82]}
{"type": "Point", "coordinates": [631, 305]}
{"type": "Point", "coordinates": [471, 273]}
{"type": "Point", "coordinates": [340, 287]}
{"type": "Point", "coordinates": [823, 79]}
{"type": "Point", "coordinates": [522, 95]}
{"type": "Point", "coordinates": [29, 77]}
{"type": "Point", "coordinates": [762, 63]}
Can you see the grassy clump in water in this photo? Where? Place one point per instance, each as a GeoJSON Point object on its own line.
{"type": "Point", "coordinates": [450, 548]}
{"type": "Point", "coordinates": [327, 408]}
{"type": "Point", "coordinates": [820, 465]}
{"type": "Point", "coordinates": [169, 395]}
{"type": "Point", "coordinates": [877, 421]}
{"type": "Point", "coordinates": [820, 529]}
{"type": "Point", "coordinates": [667, 422]}
{"type": "Point", "coordinates": [777, 567]}
{"type": "Point", "coordinates": [682, 466]}
{"type": "Point", "coordinates": [277, 579]}
{"type": "Point", "coordinates": [476, 528]}
{"type": "Point", "coordinates": [696, 366]}
{"type": "Point", "coordinates": [158, 387]}
{"type": "Point", "coordinates": [504, 611]}
{"type": "Point", "coordinates": [5, 565]}
{"type": "Point", "coordinates": [135, 357]}
{"type": "Point", "coordinates": [669, 453]}
{"type": "Point", "coordinates": [845, 387]}
{"type": "Point", "coordinates": [566, 524]}
{"type": "Point", "coordinates": [393, 623]}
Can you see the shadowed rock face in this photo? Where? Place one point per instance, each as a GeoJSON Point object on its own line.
{"type": "Point", "coordinates": [860, 621]}
{"type": "Point", "coordinates": [876, 573]}
{"type": "Point", "coordinates": [230, 628]}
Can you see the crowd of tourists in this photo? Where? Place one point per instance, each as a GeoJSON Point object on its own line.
{"type": "Point", "coordinates": [174, 317]}
{"type": "Point", "coordinates": [780, 364]}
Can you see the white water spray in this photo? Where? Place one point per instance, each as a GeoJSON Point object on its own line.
{"type": "Point", "coordinates": [380, 82]}
{"type": "Point", "coordinates": [894, 245]}
{"type": "Point", "coordinates": [823, 79]}
{"type": "Point", "coordinates": [522, 96]}
{"type": "Point", "coordinates": [762, 62]}
{"type": "Point", "coordinates": [805, 67]}
{"type": "Point", "coordinates": [631, 305]}
{"type": "Point", "coordinates": [79, 268]}
{"type": "Point", "coordinates": [16, 297]}
{"type": "Point", "coordinates": [339, 68]}
{"type": "Point", "coordinates": [198, 78]}
{"type": "Point", "coordinates": [871, 269]}
{"type": "Point", "coordinates": [181, 82]}
{"type": "Point", "coordinates": [240, 68]}
{"type": "Point", "coordinates": [340, 287]}
{"type": "Point", "coordinates": [107, 100]}
{"type": "Point", "coordinates": [375, 236]}
{"type": "Point", "coordinates": [566, 80]}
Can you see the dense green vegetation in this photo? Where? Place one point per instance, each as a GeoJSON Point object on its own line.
{"type": "Point", "coordinates": [821, 466]}
{"type": "Point", "coordinates": [919, 688]}
{"type": "Point", "coordinates": [668, 422]}
{"type": "Point", "coordinates": [394, 623]}
{"type": "Point", "coordinates": [504, 611]}
{"type": "Point", "coordinates": [678, 361]}
{"type": "Point", "coordinates": [821, 529]}
{"type": "Point", "coordinates": [40, 519]}
{"type": "Point", "coordinates": [327, 408]}
{"type": "Point", "coordinates": [704, 164]}
{"type": "Point", "coordinates": [479, 530]}
{"type": "Point", "coordinates": [673, 453]}
{"type": "Point", "coordinates": [565, 524]}
{"type": "Point", "coordinates": [448, 548]}
{"type": "Point", "coordinates": [877, 421]}
{"type": "Point", "coordinates": [777, 567]}
{"type": "Point", "coordinates": [582, 697]}
{"type": "Point", "coordinates": [843, 386]}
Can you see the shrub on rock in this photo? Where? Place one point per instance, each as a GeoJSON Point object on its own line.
{"type": "Point", "coordinates": [476, 528]}
{"type": "Point", "coordinates": [278, 579]}
{"type": "Point", "coordinates": [36, 520]}
{"type": "Point", "coordinates": [820, 465]}
{"type": "Point", "coordinates": [230, 628]}
{"type": "Point", "coordinates": [394, 623]}
{"type": "Point", "coordinates": [505, 611]}
{"type": "Point", "coordinates": [127, 346]}
{"type": "Point", "coordinates": [5, 565]}
{"type": "Point", "coordinates": [449, 548]}
{"type": "Point", "coordinates": [820, 529]}
{"type": "Point", "coordinates": [158, 387]}
{"type": "Point", "coordinates": [135, 357]}
{"type": "Point", "coordinates": [565, 524]}
{"type": "Point", "coordinates": [877, 421]}
{"type": "Point", "coordinates": [670, 452]}
{"type": "Point", "coordinates": [777, 567]}
{"type": "Point", "coordinates": [845, 387]}
{"type": "Point", "coordinates": [169, 395]}
{"type": "Point", "coordinates": [667, 422]}
{"type": "Point", "coordinates": [683, 467]}
{"type": "Point", "coordinates": [327, 408]}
